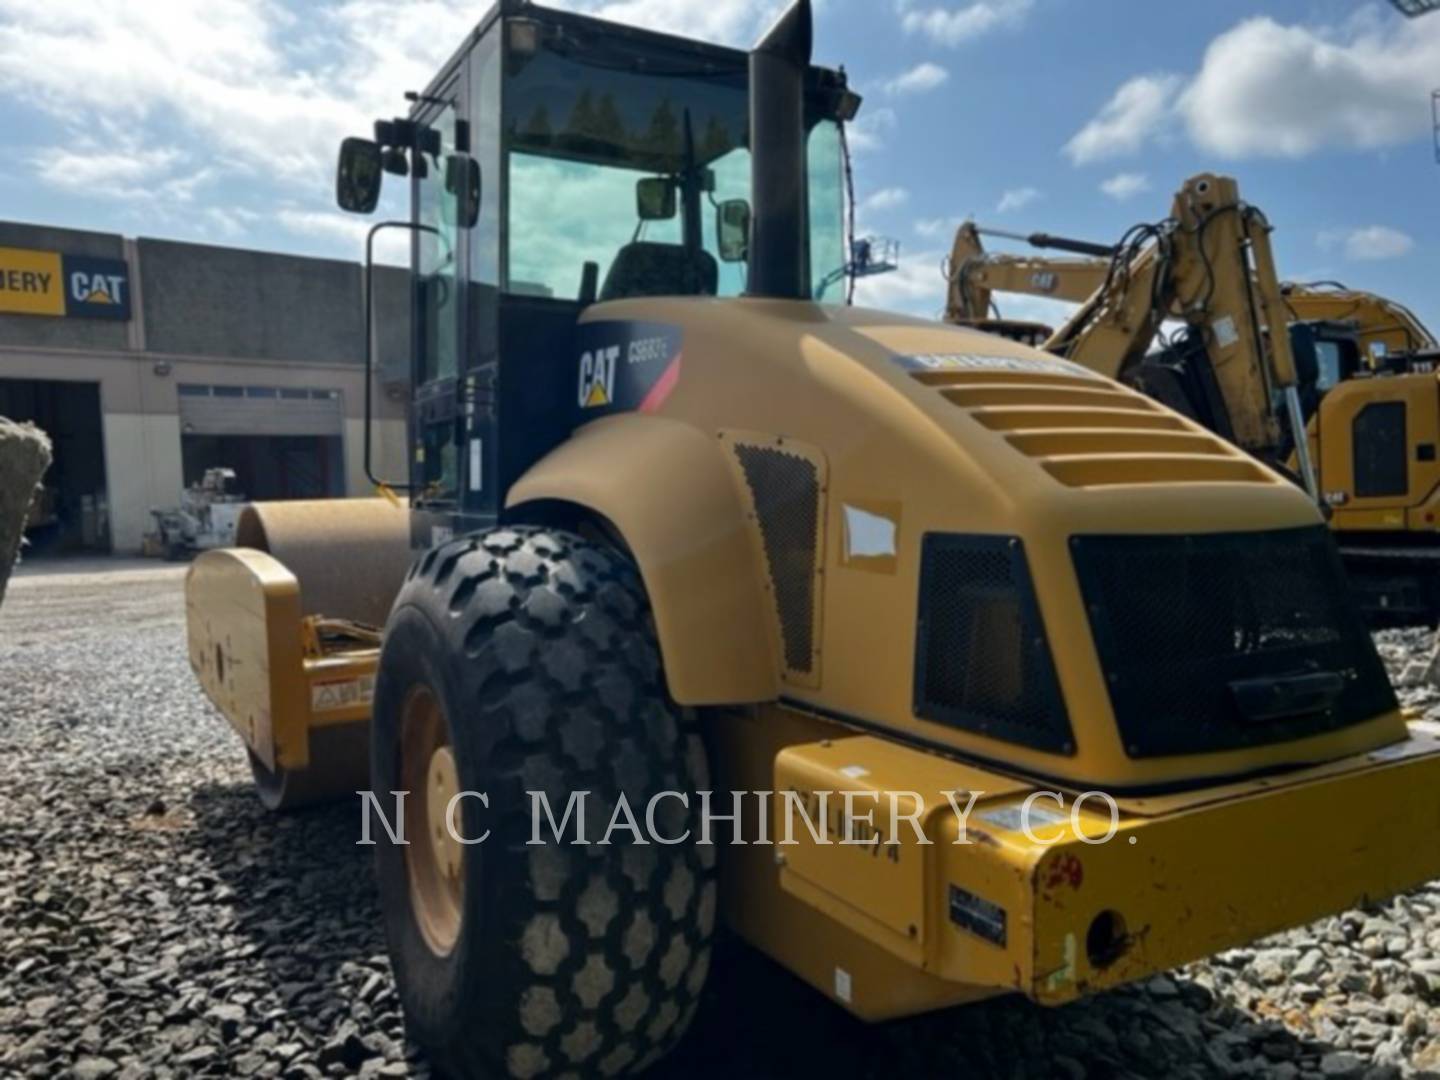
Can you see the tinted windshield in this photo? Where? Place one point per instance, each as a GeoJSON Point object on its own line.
{"type": "Point", "coordinates": [580, 134]}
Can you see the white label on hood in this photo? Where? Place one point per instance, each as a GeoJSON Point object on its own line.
{"type": "Point", "coordinates": [867, 535]}
{"type": "Point", "coordinates": [1043, 365]}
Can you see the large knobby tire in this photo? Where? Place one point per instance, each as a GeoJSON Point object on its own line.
{"type": "Point", "coordinates": [523, 660]}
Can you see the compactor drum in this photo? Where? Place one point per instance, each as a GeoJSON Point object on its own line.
{"type": "Point", "coordinates": [293, 667]}
{"type": "Point", "coordinates": [933, 665]}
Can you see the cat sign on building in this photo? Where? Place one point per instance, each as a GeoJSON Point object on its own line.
{"type": "Point", "coordinates": [66, 286]}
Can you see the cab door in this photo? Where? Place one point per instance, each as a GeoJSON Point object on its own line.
{"type": "Point", "coordinates": [439, 257]}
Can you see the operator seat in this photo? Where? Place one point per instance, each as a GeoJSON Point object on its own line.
{"type": "Point", "coordinates": [649, 269]}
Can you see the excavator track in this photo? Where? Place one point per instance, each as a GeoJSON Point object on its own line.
{"type": "Point", "coordinates": [1396, 587]}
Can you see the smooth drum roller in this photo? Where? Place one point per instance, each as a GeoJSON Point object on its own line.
{"type": "Point", "coordinates": [339, 763]}
{"type": "Point", "coordinates": [349, 555]}
{"type": "Point", "coordinates": [350, 558]}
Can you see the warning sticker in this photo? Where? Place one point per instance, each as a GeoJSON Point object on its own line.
{"type": "Point", "coordinates": [337, 694]}
{"type": "Point", "coordinates": [1043, 365]}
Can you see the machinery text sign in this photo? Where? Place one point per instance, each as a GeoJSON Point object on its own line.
{"type": "Point", "coordinates": [49, 283]}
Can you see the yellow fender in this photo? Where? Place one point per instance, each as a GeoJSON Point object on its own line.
{"type": "Point", "coordinates": [667, 488]}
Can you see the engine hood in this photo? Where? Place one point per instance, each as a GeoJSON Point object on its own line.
{"type": "Point", "coordinates": [913, 432]}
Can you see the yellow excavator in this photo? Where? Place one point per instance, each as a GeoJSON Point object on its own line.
{"type": "Point", "coordinates": [1183, 309]}
{"type": "Point", "coordinates": [933, 665]}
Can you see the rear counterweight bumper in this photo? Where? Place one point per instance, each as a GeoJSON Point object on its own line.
{"type": "Point", "coordinates": [1055, 915]}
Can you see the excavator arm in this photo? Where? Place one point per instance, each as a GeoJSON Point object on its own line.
{"type": "Point", "coordinates": [1209, 266]}
{"type": "Point", "coordinates": [975, 276]}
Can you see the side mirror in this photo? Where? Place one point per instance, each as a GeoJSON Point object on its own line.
{"type": "Point", "coordinates": [655, 199]}
{"type": "Point", "coordinates": [732, 230]}
{"type": "Point", "coordinates": [462, 180]}
{"type": "Point", "coordinates": [357, 179]}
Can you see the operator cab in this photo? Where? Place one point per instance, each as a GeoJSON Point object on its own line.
{"type": "Point", "coordinates": [558, 161]}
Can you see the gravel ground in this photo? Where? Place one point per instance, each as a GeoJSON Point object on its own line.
{"type": "Point", "coordinates": [155, 921]}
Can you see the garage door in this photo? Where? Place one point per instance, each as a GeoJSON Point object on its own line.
{"type": "Point", "coordinates": [260, 410]}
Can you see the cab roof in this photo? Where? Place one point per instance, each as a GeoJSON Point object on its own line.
{"type": "Point", "coordinates": [710, 58]}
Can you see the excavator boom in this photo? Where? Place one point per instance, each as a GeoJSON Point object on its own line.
{"type": "Point", "coordinates": [1209, 264]}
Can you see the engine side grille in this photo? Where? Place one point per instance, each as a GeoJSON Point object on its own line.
{"type": "Point", "coordinates": [1184, 623]}
{"type": "Point", "coordinates": [1380, 454]}
{"type": "Point", "coordinates": [785, 489]}
{"type": "Point", "coordinates": [1086, 432]}
{"type": "Point", "coordinates": [982, 662]}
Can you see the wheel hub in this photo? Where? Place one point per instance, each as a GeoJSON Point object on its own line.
{"type": "Point", "coordinates": [434, 856]}
{"type": "Point", "coordinates": [441, 789]}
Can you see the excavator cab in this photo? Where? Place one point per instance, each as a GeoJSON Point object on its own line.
{"type": "Point", "coordinates": [1326, 355]}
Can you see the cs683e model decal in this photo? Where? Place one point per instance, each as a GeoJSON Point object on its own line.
{"type": "Point", "coordinates": [626, 366]}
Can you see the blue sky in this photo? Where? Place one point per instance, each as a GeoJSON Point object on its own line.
{"type": "Point", "coordinates": [217, 121]}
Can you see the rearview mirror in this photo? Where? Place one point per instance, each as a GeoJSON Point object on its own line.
{"type": "Point", "coordinates": [462, 180]}
{"type": "Point", "coordinates": [732, 230]}
{"type": "Point", "coordinates": [655, 199]}
{"type": "Point", "coordinates": [357, 179]}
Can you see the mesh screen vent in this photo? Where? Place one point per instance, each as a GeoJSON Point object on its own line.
{"type": "Point", "coordinates": [982, 660]}
{"type": "Point", "coordinates": [786, 492]}
{"type": "Point", "coordinates": [1181, 622]}
{"type": "Point", "coordinates": [1381, 458]}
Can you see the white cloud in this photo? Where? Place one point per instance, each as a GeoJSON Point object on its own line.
{"type": "Point", "coordinates": [1269, 90]}
{"type": "Point", "coordinates": [87, 171]}
{"type": "Point", "coordinates": [218, 71]}
{"type": "Point", "coordinates": [231, 222]}
{"type": "Point", "coordinates": [932, 227]}
{"type": "Point", "coordinates": [1135, 113]}
{"type": "Point", "coordinates": [1016, 199]}
{"type": "Point", "coordinates": [729, 22]}
{"type": "Point", "coordinates": [888, 198]}
{"type": "Point", "coordinates": [868, 131]}
{"type": "Point", "coordinates": [1125, 185]}
{"type": "Point", "coordinates": [1368, 244]}
{"type": "Point", "coordinates": [1040, 309]}
{"type": "Point", "coordinates": [212, 77]}
{"type": "Point", "coordinates": [916, 286]}
{"type": "Point", "coordinates": [344, 235]}
{"type": "Point", "coordinates": [258, 89]}
{"type": "Point", "coordinates": [918, 80]}
{"type": "Point", "coordinates": [155, 178]}
{"type": "Point", "coordinates": [954, 26]}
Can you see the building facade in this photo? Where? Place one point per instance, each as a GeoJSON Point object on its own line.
{"type": "Point", "coordinates": [149, 361]}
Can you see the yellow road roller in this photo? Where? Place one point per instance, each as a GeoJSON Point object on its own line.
{"type": "Point", "coordinates": [935, 666]}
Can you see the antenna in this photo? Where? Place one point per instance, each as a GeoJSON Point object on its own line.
{"type": "Point", "coordinates": [1435, 115]}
